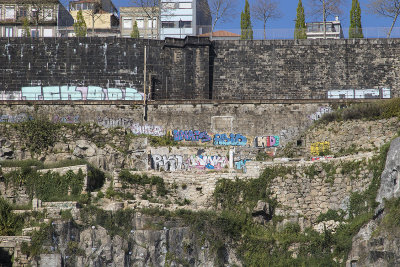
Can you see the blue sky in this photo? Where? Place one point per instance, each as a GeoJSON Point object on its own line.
{"type": "Point", "coordinates": [288, 10]}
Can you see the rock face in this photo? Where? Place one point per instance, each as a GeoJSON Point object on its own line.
{"type": "Point", "coordinates": [374, 245]}
{"type": "Point", "coordinates": [390, 178]}
{"type": "Point", "coordinates": [171, 245]}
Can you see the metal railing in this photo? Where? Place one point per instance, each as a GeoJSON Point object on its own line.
{"type": "Point", "coordinates": [288, 33]}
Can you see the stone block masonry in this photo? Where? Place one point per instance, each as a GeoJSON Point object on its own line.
{"type": "Point", "coordinates": [196, 68]}
{"type": "Point", "coordinates": [255, 122]}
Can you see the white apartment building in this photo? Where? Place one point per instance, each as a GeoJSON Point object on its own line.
{"type": "Point", "coordinates": [180, 18]}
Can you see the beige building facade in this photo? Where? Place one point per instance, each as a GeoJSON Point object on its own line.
{"type": "Point", "coordinates": [147, 21]}
{"type": "Point", "coordinates": [42, 18]}
{"type": "Point", "coordinates": [101, 16]}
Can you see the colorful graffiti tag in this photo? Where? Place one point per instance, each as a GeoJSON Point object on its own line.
{"type": "Point", "coordinates": [266, 141]}
{"type": "Point", "coordinates": [232, 140]}
{"type": "Point", "coordinates": [68, 92]}
{"type": "Point", "coordinates": [241, 164]}
{"type": "Point", "coordinates": [318, 148]}
{"type": "Point", "coordinates": [179, 163]}
{"type": "Point", "coordinates": [208, 162]}
{"type": "Point", "coordinates": [191, 135]}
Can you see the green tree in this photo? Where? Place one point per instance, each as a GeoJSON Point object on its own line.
{"type": "Point", "coordinates": [26, 27]}
{"type": "Point", "coordinates": [245, 23]}
{"type": "Point", "coordinates": [9, 222]}
{"type": "Point", "coordinates": [355, 30]}
{"type": "Point", "coordinates": [135, 31]}
{"type": "Point", "coordinates": [80, 28]}
{"type": "Point", "coordinates": [300, 27]}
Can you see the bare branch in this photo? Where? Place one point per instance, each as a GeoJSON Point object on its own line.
{"type": "Point", "coordinates": [332, 8]}
{"type": "Point", "coordinates": [265, 10]}
{"type": "Point", "coordinates": [385, 8]}
{"type": "Point", "coordinates": [223, 10]}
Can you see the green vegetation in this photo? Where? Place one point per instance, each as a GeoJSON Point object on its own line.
{"type": "Point", "coordinates": [51, 186]}
{"type": "Point", "coordinates": [37, 134]}
{"type": "Point", "coordinates": [135, 31]}
{"type": "Point", "coordinates": [116, 223]}
{"type": "Point", "coordinates": [80, 28]}
{"type": "Point", "coordinates": [383, 109]}
{"type": "Point", "coordinates": [355, 30]}
{"type": "Point", "coordinates": [136, 179]}
{"type": "Point", "coordinates": [26, 26]}
{"type": "Point", "coordinates": [300, 27]}
{"type": "Point", "coordinates": [245, 23]}
{"type": "Point", "coordinates": [262, 156]}
{"type": "Point", "coordinates": [166, 140]}
{"type": "Point", "coordinates": [10, 224]}
{"type": "Point", "coordinates": [40, 238]}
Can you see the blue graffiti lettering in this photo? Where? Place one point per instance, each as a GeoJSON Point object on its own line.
{"type": "Point", "coordinates": [232, 140]}
{"type": "Point", "coordinates": [190, 135]}
{"type": "Point", "coordinates": [241, 165]}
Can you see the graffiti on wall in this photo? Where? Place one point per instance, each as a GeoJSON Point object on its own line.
{"type": "Point", "coordinates": [167, 162]}
{"type": "Point", "coordinates": [179, 163]}
{"type": "Point", "coordinates": [15, 118]}
{"type": "Point", "coordinates": [322, 110]}
{"type": "Point", "coordinates": [266, 141]}
{"type": "Point", "coordinates": [241, 165]}
{"type": "Point", "coordinates": [191, 135]}
{"type": "Point", "coordinates": [153, 130]}
{"type": "Point", "coordinates": [208, 162]}
{"type": "Point", "coordinates": [231, 140]}
{"type": "Point", "coordinates": [68, 92]}
{"type": "Point", "coordinates": [318, 148]}
{"type": "Point", "coordinates": [135, 127]}
{"type": "Point", "coordinates": [359, 93]}
{"type": "Point", "coordinates": [66, 119]}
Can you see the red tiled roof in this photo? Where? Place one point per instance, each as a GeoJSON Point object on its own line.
{"type": "Point", "coordinates": [220, 34]}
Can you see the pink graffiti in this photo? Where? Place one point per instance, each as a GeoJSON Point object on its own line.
{"type": "Point", "coordinates": [208, 162]}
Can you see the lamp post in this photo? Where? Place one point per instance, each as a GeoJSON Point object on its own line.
{"type": "Point", "coordinates": [180, 28]}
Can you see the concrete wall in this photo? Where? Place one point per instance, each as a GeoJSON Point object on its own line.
{"type": "Point", "coordinates": [279, 119]}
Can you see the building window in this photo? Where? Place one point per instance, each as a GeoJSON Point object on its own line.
{"type": "Point", "coordinates": [185, 5]}
{"type": "Point", "coordinates": [185, 24]}
{"type": "Point", "coordinates": [48, 33]}
{"type": "Point", "coordinates": [152, 23]}
{"type": "Point", "coordinates": [35, 13]}
{"type": "Point", "coordinates": [35, 33]}
{"type": "Point", "coordinates": [1, 14]}
{"type": "Point", "coordinates": [170, 5]}
{"type": "Point", "coordinates": [48, 14]}
{"type": "Point", "coordinates": [127, 23]}
{"type": "Point", "coordinates": [168, 24]}
{"type": "Point", "coordinates": [10, 12]}
{"type": "Point", "coordinates": [140, 23]}
{"type": "Point", "coordinates": [22, 13]}
{"type": "Point", "coordinates": [9, 32]}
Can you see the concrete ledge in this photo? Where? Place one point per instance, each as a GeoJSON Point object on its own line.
{"type": "Point", "coordinates": [184, 102]}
